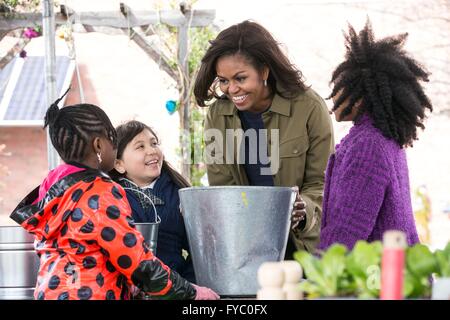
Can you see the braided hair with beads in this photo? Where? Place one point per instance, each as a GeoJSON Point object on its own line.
{"type": "Point", "coordinates": [384, 79]}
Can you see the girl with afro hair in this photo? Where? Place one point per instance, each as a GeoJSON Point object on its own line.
{"type": "Point", "coordinates": [367, 189]}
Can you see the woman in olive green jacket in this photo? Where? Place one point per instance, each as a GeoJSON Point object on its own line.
{"type": "Point", "coordinates": [264, 126]}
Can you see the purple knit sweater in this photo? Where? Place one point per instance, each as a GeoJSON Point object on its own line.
{"type": "Point", "coordinates": [366, 189]}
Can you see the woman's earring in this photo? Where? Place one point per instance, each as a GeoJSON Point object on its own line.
{"type": "Point", "coordinates": [99, 157]}
{"type": "Point", "coordinates": [265, 82]}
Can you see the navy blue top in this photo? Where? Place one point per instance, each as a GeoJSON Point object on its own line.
{"type": "Point", "coordinates": [253, 168]}
{"type": "Point", "coordinates": [172, 236]}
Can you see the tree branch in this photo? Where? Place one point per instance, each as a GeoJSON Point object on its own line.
{"type": "Point", "coordinates": [3, 34]}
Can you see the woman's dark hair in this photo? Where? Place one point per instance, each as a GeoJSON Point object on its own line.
{"type": "Point", "coordinates": [125, 134]}
{"type": "Point", "coordinates": [385, 79]}
{"type": "Point", "coordinates": [256, 44]}
{"type": "Point", "coordinates": [72, 129]}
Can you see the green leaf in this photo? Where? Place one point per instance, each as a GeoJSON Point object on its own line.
{"type": "Point", "coordinates": [443, 262]}
{"type": "Point", "coordinates": [420, 261]}
{"type": "Point", "coordinates": [333, 266]}
{"type": "Point", "coordinates": [414, 287]}
{"type": "Point", "coordinates": [363, 256]}
{"type": "Point", "coordinates": [408, 285]}
{"type": "Point", "coordinates": [363, 264]}
{"type": "Point", "coordinates": [325, 276]}
{"type": "Point", "coordinates": [313, 290]}
{"type": "Point", "coordinates": [311, 266]}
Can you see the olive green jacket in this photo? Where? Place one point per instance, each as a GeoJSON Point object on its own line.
{"type": "Point", "coordinates": [306, 141]}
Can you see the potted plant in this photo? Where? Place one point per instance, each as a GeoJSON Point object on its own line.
{"type": "Point", "coordinates": [339, 273]}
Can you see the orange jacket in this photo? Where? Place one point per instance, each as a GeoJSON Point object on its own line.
{"type": "Point", "coordinates": [88, 245]}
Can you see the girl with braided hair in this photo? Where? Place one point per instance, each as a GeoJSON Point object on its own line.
{"type": "Point", "coordinates": [367, 186]}
{"type": "Point", "coordinates": [86, 239]}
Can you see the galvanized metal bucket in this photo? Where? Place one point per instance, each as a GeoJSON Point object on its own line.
{"type": "Point", "coordinates": [19, 264]}
{"type": "Point", "coordinates": [149, 230]}
{"type": "Point", "coordinates": [232, 230]}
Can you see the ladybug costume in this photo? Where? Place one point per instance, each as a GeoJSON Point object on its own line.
{"type": "Point", "coordinates": [88, 245]}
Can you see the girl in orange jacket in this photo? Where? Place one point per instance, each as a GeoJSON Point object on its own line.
{"type": "Point", "coordinates": [85, 236]}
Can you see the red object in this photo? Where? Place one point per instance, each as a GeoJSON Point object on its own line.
{"type": "Point", "coordinates": [392, 266]}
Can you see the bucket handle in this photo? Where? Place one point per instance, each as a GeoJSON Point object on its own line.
{"type": "Point", "coordinates": [157, 217]}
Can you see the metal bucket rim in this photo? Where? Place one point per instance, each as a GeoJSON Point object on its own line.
{"type": "Point", "coordinates": [147, 223]}
{"type": "Point", "coordinates": [235, 187]}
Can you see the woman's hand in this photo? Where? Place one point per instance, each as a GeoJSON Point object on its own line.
{"type": "Point", "coordinates": [299, 210]}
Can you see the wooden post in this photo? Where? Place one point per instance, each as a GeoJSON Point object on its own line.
{"type": "Point", "coordinates": [183, 59]}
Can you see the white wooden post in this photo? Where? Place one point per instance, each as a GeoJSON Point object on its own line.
{"type": "Point", "coordinates": [183, 39]}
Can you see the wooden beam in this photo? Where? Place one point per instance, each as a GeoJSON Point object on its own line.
{"type": "Point", "coordinates": [115, 19]}
{"type": "Point", "coordinates": [67, 12]}
{"type": "Point", "coordinates": [19, 46]}
{"type": "Point", "coordinates": [3, 34]}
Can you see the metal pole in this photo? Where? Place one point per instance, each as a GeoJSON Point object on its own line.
{"type": "Point", "coordinates": [48, 28]}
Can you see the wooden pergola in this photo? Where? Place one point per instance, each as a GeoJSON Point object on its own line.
{"type": "Point", "coordinates": [123, 21]}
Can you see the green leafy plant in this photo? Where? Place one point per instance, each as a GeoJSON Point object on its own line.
{"type": "Point", "coordinates": [339, 273]}
{"type": "Point", "coordinates": [443, 262]}
{"type": "Point", "coordinates": [363, 265]}
{"type": "Point", "coordinates": [420, 265]}
{"type": "Point", "coordinates": [326, 276]}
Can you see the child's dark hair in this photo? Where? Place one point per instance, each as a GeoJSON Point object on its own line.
{"type": "Point", "coordinates": [72, 129]}
{"type": "Point", "coordinates": [125, 134]}
{"type": "Point", "coordinates": [258, 46]}
{"type": "Point", "coordinates": [385, 79]}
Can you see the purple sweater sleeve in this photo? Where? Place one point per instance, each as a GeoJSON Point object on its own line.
{"type": "Point", "coordinates": [356, 194]}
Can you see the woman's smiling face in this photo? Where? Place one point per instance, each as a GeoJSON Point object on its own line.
{"type": "Point", "coordinates": [242, 83]}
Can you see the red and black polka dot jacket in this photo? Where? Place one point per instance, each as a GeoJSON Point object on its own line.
{"type": "Point", "coordinates": [88, 245]}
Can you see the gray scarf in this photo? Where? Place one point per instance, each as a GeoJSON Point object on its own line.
{"type": "Point", "coordinates": [137, 191]}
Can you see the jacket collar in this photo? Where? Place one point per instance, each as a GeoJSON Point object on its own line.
{"type": "Point", "coordinates": [279, 105]}
{"type": "Point", "coordinates": [25, 209]}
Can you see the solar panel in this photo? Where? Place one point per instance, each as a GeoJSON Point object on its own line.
{"type": "Point", "coordinates": [5, 74]}
{"type": "Point", "coordinates": [28, 99]}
